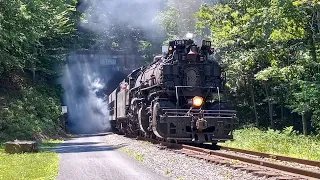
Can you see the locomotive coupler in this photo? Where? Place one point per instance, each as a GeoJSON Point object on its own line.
{"type": "Point", "coordinates": [201, 123]}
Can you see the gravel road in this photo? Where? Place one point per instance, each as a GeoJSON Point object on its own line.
{"type": "Point", "coordinates": [88, 157]}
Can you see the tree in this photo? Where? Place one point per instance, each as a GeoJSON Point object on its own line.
{"type": "Point", "coordinates": [272, 46]}
{"type": "Point", "coordinates": [34, 37]}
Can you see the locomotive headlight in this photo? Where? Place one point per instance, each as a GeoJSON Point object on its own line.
{"type": "Point", "coordinates": [197, 101]}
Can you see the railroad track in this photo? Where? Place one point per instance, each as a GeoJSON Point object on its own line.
{"type": "Point", "coordinates": [243, 160]}
{"type": "Point", "coordinates": [273, 156]}
{"type": "Point", "coordinates": [255, 166]}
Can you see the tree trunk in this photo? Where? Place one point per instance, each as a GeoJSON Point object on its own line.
{"type": "Point", "coordinates": [254, 104]}
{"type": "Point", "coordinates": [33, 75]}
{"type": "Point", "coordinates": [270, 106]}
{"type": "Point", "coordinates": [245, 79]}
{"type": "Point", "coordinates": [313, 51]}
{"type": "Point", "coordinates": [271, 114]}
{"type": "Point", "coordinates": [304, 124]}
{"type": "Point", "coordinates": [313, 48]}
{"type": "Point", "coordinates": [282, 113]}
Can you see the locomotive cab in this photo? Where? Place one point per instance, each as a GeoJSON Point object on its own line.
{"type": "Point", "coordinates": [187, 50]}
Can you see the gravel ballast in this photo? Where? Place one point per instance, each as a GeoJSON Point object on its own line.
{"type": "Point", "coordinates": [174, 165]}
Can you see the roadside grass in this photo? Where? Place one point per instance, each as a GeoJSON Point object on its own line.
{"type": "Point", "coordinates": [42, 165]}
{"type": "Point", "coordinates": [137, 156]}
{"type": "Point", "coordinates": [287, 142]}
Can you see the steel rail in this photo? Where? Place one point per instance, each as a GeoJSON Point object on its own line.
{"type": "Point", "coordinates": [273, 156]}
{"type": "Point", "coordinates": [280, 167]}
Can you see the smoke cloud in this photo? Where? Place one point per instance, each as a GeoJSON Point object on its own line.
{"type": "Point", "coordinates": [104, 16]}
{"type": "Point", "coordinates": [85, 79]}
{"type": "Point", "coordinates": [84, 84]}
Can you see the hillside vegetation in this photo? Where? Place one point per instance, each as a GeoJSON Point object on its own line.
{"type": "Point", "coordinates": [33, 38]}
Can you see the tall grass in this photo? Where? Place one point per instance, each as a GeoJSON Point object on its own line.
{"type": "Point", "coordinates": [286, 142]}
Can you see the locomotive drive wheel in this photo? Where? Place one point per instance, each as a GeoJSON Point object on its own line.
{"type": "Point", "coordinates": [156, 119]}
{"type": "Point", "coordinates": [143, 119]}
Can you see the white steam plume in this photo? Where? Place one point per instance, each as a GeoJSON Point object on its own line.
{"type": "Point", "coordinates": [105, 14]}
{"type": "Point", "coordinates": [84, 80]}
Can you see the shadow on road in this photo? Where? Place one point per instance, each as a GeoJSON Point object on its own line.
{"type": "Point", "coordinates": [84, 147]}
{"type": "Point", "coordinates": [79, 147]}
{"type": "Point", "coordinates": [91, 135]}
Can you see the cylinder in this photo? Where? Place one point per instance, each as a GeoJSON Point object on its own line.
{"type": "Point", "coordinates": [167, 69]}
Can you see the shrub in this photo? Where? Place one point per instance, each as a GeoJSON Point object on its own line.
{"type": "Point", "coordinates": [33, 112]}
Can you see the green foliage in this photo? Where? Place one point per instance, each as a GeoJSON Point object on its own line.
{"type": "Point", "coordinates": [34, 37]}
{"type": "Point", "coordinates": [270, 48]}
{"type": "Point", "coordinates": [286, 142]}
{"type": "Point", "coordinates": [146, 49]}
{"type": "Point", "coordinates": [27, 26]}
{"type": "Point", "coordinates": [169, 22]}
{"type": "Point", "coordinates": [42, 165]}
{"type": "Point", "coordinates": [36, 111]}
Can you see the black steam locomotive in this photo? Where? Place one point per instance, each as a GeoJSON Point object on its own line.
{"type": "Point", "coordinates": [175, 98]}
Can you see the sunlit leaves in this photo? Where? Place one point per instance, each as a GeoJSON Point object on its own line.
{"type": "Point", "coordinates": [305, 2]}
{"type": "Point", "coordinates": [168, 21]}
{"type": "Point", "coordinates": [284, 74]}
{"type": "Point", "coordinates": [23, 25]}
{"type": "Point", "coordinates": [266, 46]}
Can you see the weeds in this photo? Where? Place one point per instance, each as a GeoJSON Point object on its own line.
{"type": "Point", "coordinates": [146, 142]}
{"type": "Point", "coordinates": [287, 142]}
{"type": "Point", "coordinates": [168, 171]}
{"type": "Point", "coordinates": [232, 161]}
{"type": "Point", "coordinates": [228, 175]}
{"type": "Point", "coordinates": [179, 178]}
{"type": "Point", "coordinates": [137, 156]}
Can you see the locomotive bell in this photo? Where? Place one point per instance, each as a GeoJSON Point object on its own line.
{"type": "Point", "coordinates": [211, 50]}
{"type": "Point", "coordinates": [192, 55]}
{"type": "Point", "coordinates": [191, 52]}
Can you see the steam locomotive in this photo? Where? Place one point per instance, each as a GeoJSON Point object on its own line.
{"type": "Point", "coordinates": [178, 97]}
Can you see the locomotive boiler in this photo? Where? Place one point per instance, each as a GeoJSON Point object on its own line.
{"type": "Point", "coordinates": [176, 98]}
